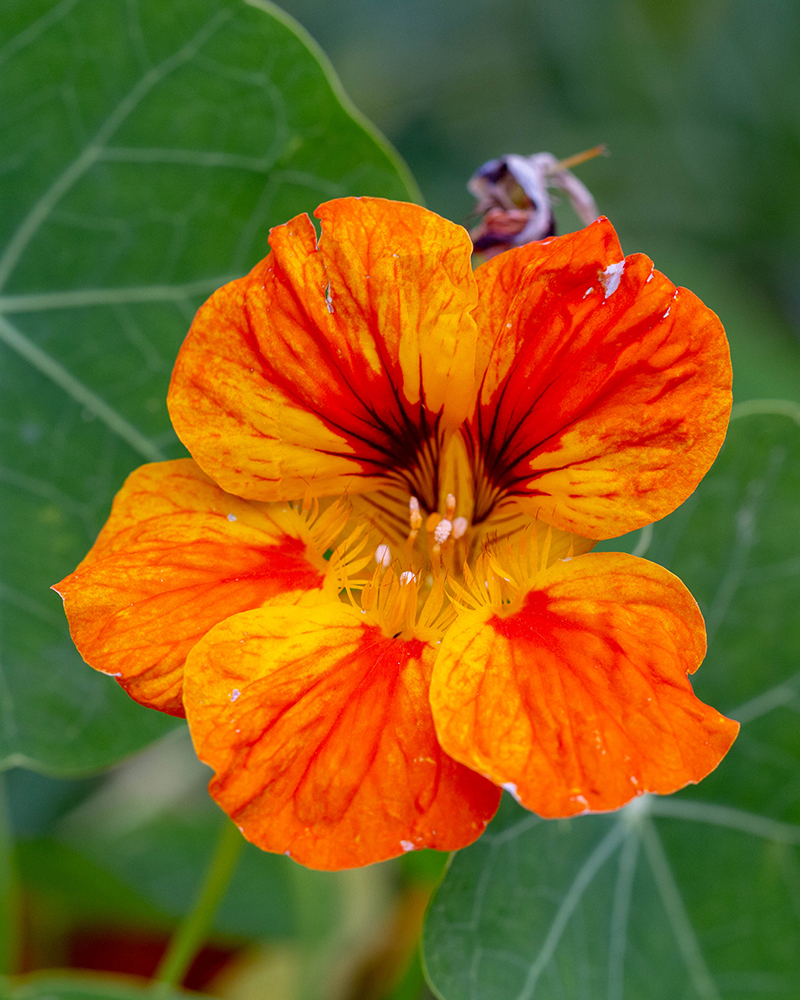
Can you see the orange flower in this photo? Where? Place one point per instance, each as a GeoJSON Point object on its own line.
{"type": "Point", "coordinates": [364, 669]}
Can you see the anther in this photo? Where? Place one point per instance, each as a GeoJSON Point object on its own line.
{"type": "Point", "coordinates": [460, 525]}
{"type": "Point", "coordinates": [406, 577]}
{"type": "Point", "coordinates": [414, 514]}
{"type": "Point", "coordinates": [383, 555]}
{"type": "Point", "coordinates": [442, 531]}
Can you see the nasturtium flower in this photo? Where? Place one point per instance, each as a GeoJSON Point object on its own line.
{"type": "Point", "coordinates": [371, 590]}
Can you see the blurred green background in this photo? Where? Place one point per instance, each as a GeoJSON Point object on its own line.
{"type": "Point", "coordinates": [697, 100]}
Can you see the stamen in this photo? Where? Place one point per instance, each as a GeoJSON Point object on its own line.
{"type": "Point", "coordinates": [414, 515]}
{"type": "Point", "coordinates": [414, 523]}
{"type": "Point", "coordinates": [383, 555]}
{"type": "Point", "coordinates": [442, 531]}
{"type": "Point", "coordinates": [450, 507]}
{"type": "Point", "coordinates": [460, 525]}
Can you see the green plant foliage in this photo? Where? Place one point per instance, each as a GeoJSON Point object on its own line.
{"type": "Point", "coordinates": [163, 861]}
{"type": "Point", "coordinates": [148, 148]}
{"type": "Point", "coordinates": [66, 881]}
{"type": "Point", "coordinates": [695, 895]}
{"type": "Point", "coordinates": [67, 987]}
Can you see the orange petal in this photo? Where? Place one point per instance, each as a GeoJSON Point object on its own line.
{"type": "Point", "coordinates": [606, 391]}
{"type": "Point", "coordinates": [177, 556]}
{"type": "Point", "coordinates": [335, 363]}
{"type": "Point", "coordinates": [578, 699]}
{"type": "Point", "coordinates": [319, 730]}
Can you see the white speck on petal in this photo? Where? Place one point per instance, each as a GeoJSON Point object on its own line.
{"type": "Point", "coordinates": [589, 291]}
{"type": "Point", "coordinates": [235, 694]}
{"type": "Point", "coordinates": [611, 277]}
{"type": "Point", "coordinates": [511, 788]}
{"type": "Point", "coordinates": [667, 312]}
{"type": "Point", "coordinates": [328, 299]}
{"type": "Point", "coordinates": [287, 852]}
{"type": "Point", "coordinates": [407, 845]}
{"type": "Point", "coordinates": [231, 517]}
{"type": "Point", "coordinates": [383, 555]}
{"type": "Point", "coordinates": [406, 577]}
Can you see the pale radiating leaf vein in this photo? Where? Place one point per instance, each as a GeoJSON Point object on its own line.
{"type": "Point", "coordinates": [85, 297]}
{"type": "Point", "coordinates": [777, 696]}
{"type": "Point", "coordinates": [188, 157]}
{"type": "Point", "coordinates": [45, 489]}
{"type": "Point", "coordinates": [31, 606]}
{"type": "Point", "coordinates": [758, 407]}
{"type": "Point", "coordinates": [644, 541]}
{"type": "Point", "coordinates": [474, 969]}
{"type": "Point", "coordinates": [685, 936]}
{"type": "Point", "coordinates": [35, 30]}
{"type": "Point", "coordinates": [580, 884]}
{"type": "Point", "coordinates": [620, 911]}
{"type": "Point", "coordinates": [512, 832]}
{"type": "Point", "coordinates": [745, 539]}
{"type": "Point", "coordinates": [57, 373]}
{"type": "Point", "coordinates": [728, 817]}
{"type": "Point", "coordinates": [94, 148]}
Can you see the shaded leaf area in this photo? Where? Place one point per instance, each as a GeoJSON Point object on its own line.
{"type": "Point", "coordinates": [696, 895]}
{"type": "Point", "coordinates": [149, 876]}
{"type": "Point", "coordinates": [147, 149]}
{"type": "Point", "coordinates": [130, 850]}
{"type": "Point", "coordinates": [68, 987]}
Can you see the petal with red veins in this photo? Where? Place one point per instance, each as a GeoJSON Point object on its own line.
{"type": "Point", "coordinates": [605, 391]}
{"type": "Point", "coordinates": [319, 731]}
{"type": "Point", "coordinates": [177, 556]}
{"type": "Point", "coordinates": [333, 364]}
{"type": "Point", "coordinates": [576, 697]}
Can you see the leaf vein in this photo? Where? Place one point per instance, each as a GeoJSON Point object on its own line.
{"type": "Point", "coordinates": [580, 884]}
{"type": "Point", "coordinates": [65, 380]}
{"type": "Point", "coordinates": [92, 151]}
{"type": "Point", "coordinates": [671, 898]}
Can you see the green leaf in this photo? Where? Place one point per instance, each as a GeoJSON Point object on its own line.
{"type": "Point", "coordinates": [164, 860]}
{"type": "Point", "coordinates": [695, 895]}
{"type": "Point", "coordinates": [148, 147]}
{"type": "Point", "coordinates": [84, 987]}
{"type": "Point", "coordinates": [66, 881]}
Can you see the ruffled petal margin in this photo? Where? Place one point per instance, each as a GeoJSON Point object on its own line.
{"type": "Point", "coordinates": [605, 391]}
{"type": "Point", "coordinates": [319, 731]}
{"type": "Point", "coordinates": [333, 364]}
{"type": "Point", "coordinates": [577, 698]}
{"type": "Point", "coordinates": [177, 556]}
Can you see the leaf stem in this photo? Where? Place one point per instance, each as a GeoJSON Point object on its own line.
{"type": "Point", "coordinates": [8, 890]}
{"type": "Point", "coordinates": [191, 933]}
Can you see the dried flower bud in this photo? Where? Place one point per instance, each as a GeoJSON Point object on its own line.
{"type": "Point", "coordinates": [513, 197]}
